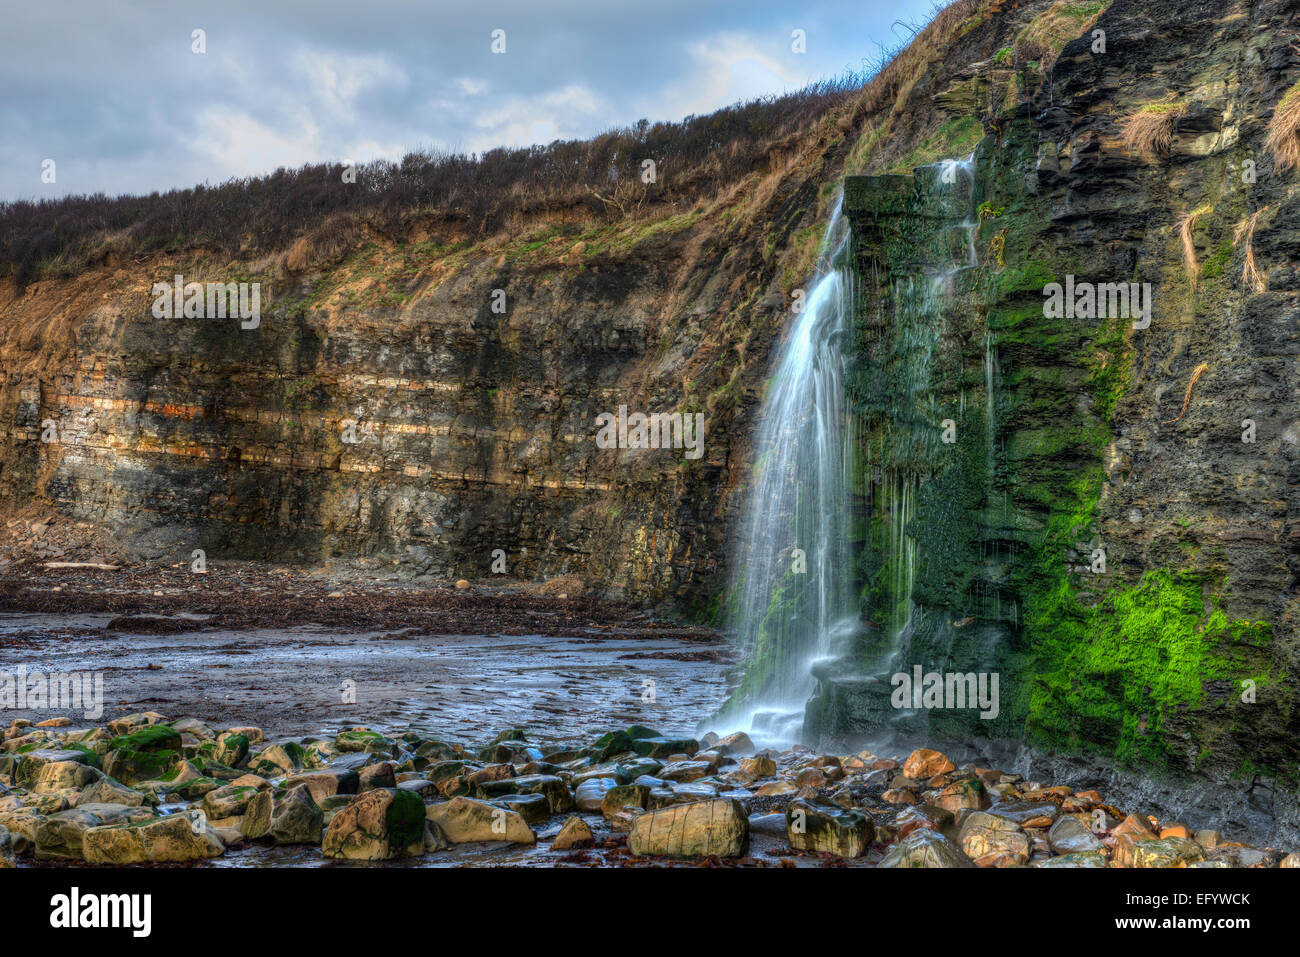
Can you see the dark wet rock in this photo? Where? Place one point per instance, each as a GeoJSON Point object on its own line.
{"type": "Point", "coordinates": [660, 747]}
{"type": "Point", "coordinates": [1069, 836]}
{"type": "Point", "coordinates": [1027, 813]}
{"type": "Point", "coordinates": [590, 794]}
{"type": "Point", "coordinates": [831, 830]}
{"type": "Point", "coordinates": [136, 767]}
{"type": "Point", "coordinates": [624, 796]}
{"type": "Point", "coordinates": [297, 818]}
{"type": "Point", "coordinates": [381, 774]}
{"type": "Point", "coordinates": [533, 808]}
{"type": "Point", "coordinates": [684, 770]}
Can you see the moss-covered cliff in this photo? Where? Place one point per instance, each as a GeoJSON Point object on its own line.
{"type": "Point", "coordinates": [1114, 530]}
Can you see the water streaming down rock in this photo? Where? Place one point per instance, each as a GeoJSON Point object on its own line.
{"type": "Point", "coordinates": [793, 599]}
{"type": "Point", "coordinates": [928, 562]}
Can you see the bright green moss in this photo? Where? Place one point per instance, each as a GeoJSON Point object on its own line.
{"type": "Point", "coordinates": [1109, 676]}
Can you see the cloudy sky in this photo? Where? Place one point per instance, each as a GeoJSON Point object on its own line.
{"type": "Point", "coordinates": [114, 93]}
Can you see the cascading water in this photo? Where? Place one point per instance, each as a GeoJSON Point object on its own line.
{"type": "Point", "coordinates": [793, 582]}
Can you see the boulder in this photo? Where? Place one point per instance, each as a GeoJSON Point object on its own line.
{"type": "Point", "coordinates": [464, 820]}
{"type": "Point", "coordinates": [1069, 836]}
{"type": "Point", "coordinates": [360, 740]}
{"type": "Point", "coordinates": [108, 791]}
{"type": "Point", "coordinates": [982, 834]}
{"type": "Point", "coordinates": [924, 763]}
{"type": "Point", "coordinates": [574, 834]}
{"type": "Point", "coordinates": [1165, 852]}
{"type": "Point", "coordinates": [170, 839]}
{"type": "Point", "coordinates": [55, 776]}
{"type": "Point", "coordinates": [533, 808]}
{"type": "Point", "coordinates": [717, 827]}
{"type": "Point", "coordinates": [256, 821]}
{"type": "Point", "coordinates": [378, 825]}
{"type": "Point", "coordinates": [232, 748]}
{"type": "Point", "coordinates": [751, 769]}
{"type": "Point", "coordinates": [831, 830]}
{"type": "Point", "coordinates": [59, 836]}
{"type": "Point", "coordinates": [1082, 859]}
{"type": "Point", "coordinates": [8, 857]}
{"type": "Point", "coordinates": [926, 848]}
{"type": "Point", "coordinates": [131, 767]}
{"type": "Point", "coordinates": [591, 793]}
{"type": "Point", "coordinates": [229, 800]}
{"type": "Point", "coordinates": [684, 770]}
{"type": "Point", "coordinates": [326, 783]}
{"type": "Point", "coordinates": [1027, 813]}
{"type": "Point", "coordinates": [624, 796]}
{"type": "Point", "coordinates": [297, 818]}
{"type": "Point", "coordinates": [967, 793]}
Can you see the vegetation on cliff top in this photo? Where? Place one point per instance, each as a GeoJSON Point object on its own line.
{"type": "Point", "coordinates": [473, 195]}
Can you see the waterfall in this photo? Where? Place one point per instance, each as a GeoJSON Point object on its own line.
{"type": "Point", "coordinates": [792, 583]}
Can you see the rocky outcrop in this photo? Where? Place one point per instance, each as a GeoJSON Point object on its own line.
{"type": "Point", "coordinates": [1097, 506]}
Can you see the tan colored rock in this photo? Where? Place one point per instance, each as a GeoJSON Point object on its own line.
{"type": "Point", "coordinates": [1165, 852]}
{"type": "Point", "coordinates": [377, 826]}
{"type": "Point", "coordinates": [464, 820]}
{"type": "Point", "coordinates": [166, 840]}
{"type": "Point", "coordinates": [690, 830]}
{"type": "Point", "coordinates": [574, 834]}
{"type": "Point", "coordinates": [924, 763]}
{"type": "Point", "coordinates": [984, 834]}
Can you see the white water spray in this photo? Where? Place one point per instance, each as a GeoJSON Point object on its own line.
{"type": "Point", "coordinates": [792, 582]}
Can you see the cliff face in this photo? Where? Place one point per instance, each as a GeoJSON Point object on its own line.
{"type": "Point", "coordinates": [395, 409]}
{"type": "Point", "coordinates": [1115, 531]}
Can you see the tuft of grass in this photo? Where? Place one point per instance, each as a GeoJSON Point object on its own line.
{"type": "Point", "coordinates": [1185, 227]}
{"type": "Point", "coordinates": [1045, 36]}
{"type": "Point", "coordinates": [1149, 131]}
{"type": "Point", "coordinates": [1283, 139]}
{"type": "Point", "coordinates": [1251, 277]}
{"type": "Point", "coordinates": [1196, 374]}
